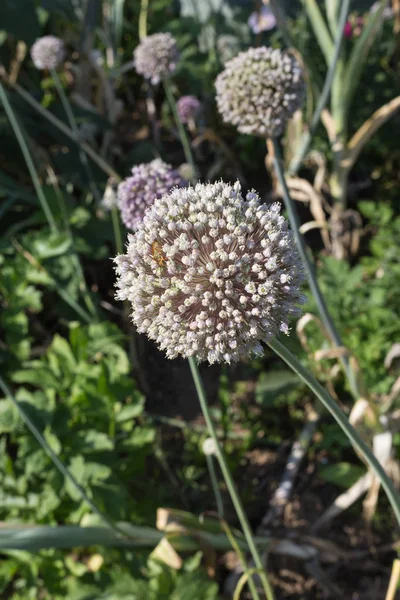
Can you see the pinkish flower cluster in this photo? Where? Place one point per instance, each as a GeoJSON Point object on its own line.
{"type": "Point", "coordinates": [211, 274]}
{"type": "Point", "coordinates": [259, 90]}
{"type": "Point", "coordinates": [147, 182]}
{"type": "Point", "coordinates": [48, 52]}
{"type": "Point", "coordinates": [188, 108]}
{"type": "Point", "coordinates": [156, 57]}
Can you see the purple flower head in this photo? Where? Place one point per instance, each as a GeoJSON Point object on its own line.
{"type": "Point", "coordinates": [156, 57]}
{"type": "Point", "coordinates": [138, 191]}
{"type": "Point", "coordinates": [259, 90]}
{"type": "Point", "coordinates": [188, 107]}
{"type": "Point", "coordinates": [211, 274]}
{"type": "Point", "coordinates": [48, 52]}
{"type": "Point", "coordinates": [262, 20]}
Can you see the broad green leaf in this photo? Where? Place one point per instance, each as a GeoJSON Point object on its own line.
{"type": "Point", "coordinates": [342, 474]}
{"type": "Point", "coordinates": [39, 376]}
{"type": "Point", "coordinates": [53, 245]}
{"type": "Point", "coordinates": [130, 412]}
{"type": "Point", "coordinates": [9, 417]}
{"type": "Point", "coordinates": [62, 349]}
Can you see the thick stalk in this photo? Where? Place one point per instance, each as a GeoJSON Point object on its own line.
{"type": "Point", "coordinates": [307, 136]}
{"type": "Point", "coordinates": [309, 267]}
{"type": "Point", "coordinates": [230, 483]}
{"type": "Point", "coordinates": [181, 129]}
{"type": "Point", "coordinates": [144, 9]}
{"type": "Point", "coordinates": [28, 159]}
{"type": "Point", "coordinates": [342, 421]}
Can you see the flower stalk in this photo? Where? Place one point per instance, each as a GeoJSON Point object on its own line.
{"type": "Point", "coordinates": [310, 268]}
{"type": "Point", "coordinates": [342, 421]}
{"type": "Point", "coordinates": [181, 129]}
{"type": "Point", "coordinates": [230, 484]}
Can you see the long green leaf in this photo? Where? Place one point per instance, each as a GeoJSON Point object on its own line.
{"type": "Point", "coordinates": [307, 135]}
{"type": "Point", "coordinates": [96, 158]}
{"type": "Point", "coordinates": [342, 421]}
{"type": "Point", "coordinates": [332, 9]}
{"type": "Point", "coordinates": [359, 54]}
{"type": "Point", "coordinates": [118, 20]}
{"type": "Point", "coordinates": [33, 538]}
{"type": "Point", "coordinates": [320, 29]}
{"type": "Point", "coordinates": [27, 156]}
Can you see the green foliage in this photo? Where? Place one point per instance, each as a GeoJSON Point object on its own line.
{"type": "Point", "coordinates": [365, 298]}
{"type": "Point", "coordinates": [341, 474]}
{"type": "Point", "coordinates": [63, 340]}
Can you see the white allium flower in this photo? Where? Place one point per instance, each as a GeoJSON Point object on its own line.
{"type": "Point", "coordinates": [259, 90]}
{"type": "Point", "coordinates": [48, 52]}
{"type": "Point", "coordinates": [209, 448]}
{"type": "Point", "coordinates": [156, 57]}
{"type": "Point", "coordinates": [210, 274]}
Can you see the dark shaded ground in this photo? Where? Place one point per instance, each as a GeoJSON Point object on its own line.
{"type": "Point", "coordinates": [353, 562]}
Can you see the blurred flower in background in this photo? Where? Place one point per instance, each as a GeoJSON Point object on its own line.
{"type": "Point", "coordinates": [259, 90]}
{"type": "Point", "coordinates": [188, 108]}
{"type": "Point", "coordinates": [147, 182]}
{"type": "Point", "coordinates": [156, 57]}
{"type": "Point", "coordinates": [262, 20]}
{"type": "Point", "coordinates": [48, 52]}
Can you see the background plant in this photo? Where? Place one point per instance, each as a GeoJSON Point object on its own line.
{"type": "Point", "coordinates": [66, 347]}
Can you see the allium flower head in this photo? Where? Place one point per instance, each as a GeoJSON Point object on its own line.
{"type": "Point", "coordinates": [188, 107]}
{"type": "Point", "coordinates": [210, 274]}
{"type": "Point", "coordinates": [156, 57]}
{"type": "Point", "coordinates": [147, 182]}
{"type": "Point", "coordinates": [259, 90]}
{"type": "Point", "coordinates": [209, 447]}
{"type": "Point", "coordinates": [48, 52]}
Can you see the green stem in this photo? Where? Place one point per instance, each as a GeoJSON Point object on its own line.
{"type": "Point", "coordinates": [281, 19]}
{"type": "Point", "coordinates": [310, 268]}
{"type": "Point", "coordinates": [342, 421]}
{"type": "Point", "coordinates": [117, 230]}
{"type": "Point", "coordinates": [96, 158]}
{"type": "Point", "coordinates": [133, 350]}
{"type": "Point", "coordinates": [181, 130]}
{"type": "Point", "coordinates": [75, 131]}
{"type": "Point", "coordinates": [215, 486]}
{"type": "Point", "coordinates": [28, 158]}
{"type": "Point", "coordinates": [307, 136]}
{"type": "Point", "coordinates": [144, 8]}
{"type": "Point", "coordinates": [73, 304]}
{"type": "Point", "coordinates": [230, 483]}
{"type": "Point", "coordinates": [75, 257]}
{"type": "Point", "coordinates": [53, 456]}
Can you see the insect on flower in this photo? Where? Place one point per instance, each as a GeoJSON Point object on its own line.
{"type": "Point", "coordinates": [157, 253]}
